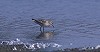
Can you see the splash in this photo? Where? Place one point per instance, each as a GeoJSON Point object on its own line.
{"type": "Point", "coordinates": [15, 44]}
{"type": "Point", "coordinates": [12, 42]}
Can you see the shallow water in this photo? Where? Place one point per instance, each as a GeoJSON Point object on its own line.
{"type": "Point", "coordinates": [77, 23]}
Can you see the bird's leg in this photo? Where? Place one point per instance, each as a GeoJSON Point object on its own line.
{"type": "Point", "coordinates": [41, 32]}
{"type": "Point", "coordinates": [43, 28]}
{"type": "Point", "coordinates": [40, 28]}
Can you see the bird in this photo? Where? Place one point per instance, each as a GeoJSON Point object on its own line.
{"type": "Point", "coordinates": [43, 23]}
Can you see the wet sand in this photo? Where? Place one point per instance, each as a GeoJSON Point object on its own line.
{"type": "Point", "coordinates": [21, 48]}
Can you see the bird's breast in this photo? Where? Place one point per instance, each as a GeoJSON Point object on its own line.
{"type": "Point", "coordinates": [47, 24]}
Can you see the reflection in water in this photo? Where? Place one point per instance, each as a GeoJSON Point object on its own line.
{"type": "Point", "coordinates": [45, 35]}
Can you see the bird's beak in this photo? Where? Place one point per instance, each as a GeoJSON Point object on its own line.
{"type": "Point", "coordinates": [53, 26]}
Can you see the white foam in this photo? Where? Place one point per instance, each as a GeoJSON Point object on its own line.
{"type": "Point", "coordinates": [14, 48]}
{"type": "Point", "coordinates": [98, 46]}
{"type": "Point", "coordinates": [30, 46]}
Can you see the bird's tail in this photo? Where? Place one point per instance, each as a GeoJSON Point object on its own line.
{"type": "Point", "coordinates": [33, 19]}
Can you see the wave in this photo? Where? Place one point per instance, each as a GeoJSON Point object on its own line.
{"type": "Point", "coordinates": [17, 44]}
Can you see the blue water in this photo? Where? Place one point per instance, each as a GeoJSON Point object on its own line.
{"type": "Point", "coordinates": [77, 23]}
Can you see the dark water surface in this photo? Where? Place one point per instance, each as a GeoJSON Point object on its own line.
{"type": "Point", "coordinates": [77, 23]}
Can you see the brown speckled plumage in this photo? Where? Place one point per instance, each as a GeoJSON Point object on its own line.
{"type": "Point", "coordinates": [43, 23]}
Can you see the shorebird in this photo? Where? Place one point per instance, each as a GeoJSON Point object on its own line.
{"type": "Point", "coordinates": [43, 23]}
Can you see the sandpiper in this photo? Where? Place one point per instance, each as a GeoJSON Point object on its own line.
{"type": "Point", "coordinates": [43, 23]}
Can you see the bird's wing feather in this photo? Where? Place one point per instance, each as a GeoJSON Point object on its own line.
{"type": "Point", "coordinates": [42, 21]}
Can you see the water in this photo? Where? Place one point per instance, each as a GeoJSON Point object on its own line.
{"type": "Point", "coordinates": [77, 23]}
